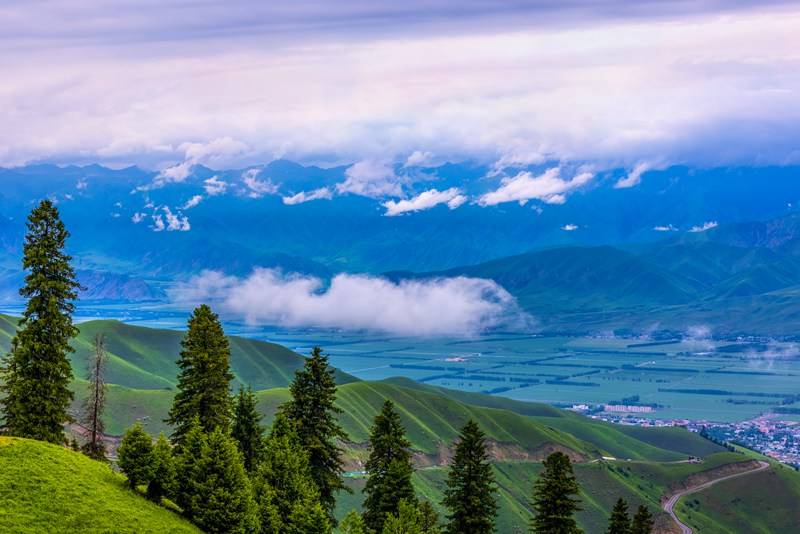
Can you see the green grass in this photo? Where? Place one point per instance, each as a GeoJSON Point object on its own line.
{"type": "Point", "coordinates": [46, 488]}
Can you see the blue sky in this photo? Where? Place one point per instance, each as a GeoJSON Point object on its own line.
{"type": "Point", "coordinates": [165, 84]}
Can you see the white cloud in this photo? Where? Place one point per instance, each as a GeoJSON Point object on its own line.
{"type": "Point", "coordinates": [665, 228]}
{"type": "Point", "coordinates": [138, 217]}
{"type": "Point", "coordinates": [419, 158]}
{"type": "Point", "coordinates": [174, 222]}
{"type": "Point", "coordinates": [516, 158]}
{"type": "Point", "coordinates": [158, 222]}
{"type": "Point", "coordinates": [214, 186]}
{"type": "Point", "coordinates": [703, 227]}
{"type": "Point", "coordinates": [192, 202]}
{"type": "Point", "coordinates": [257, 188]}
{"type": "Point", "coordinates": [570, 227]}
{"type": "Point", "coordinates": [306, 196]}
{"type": "Point", "coordinates": [548, 187]}
{"type": "Point", "coordinates": [82, 184]}
{"type": "Point", "coordinates": [369, 178]}
{"type": "Point", "coordinates": [426, 200]}
{"type": "Point", "coordinates": [444, 306]}
{"type": "Point", "coordinates": [634, 177]}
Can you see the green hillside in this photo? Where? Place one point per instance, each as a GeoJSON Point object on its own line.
{"type": "Point", "coordinates": [46, 488]}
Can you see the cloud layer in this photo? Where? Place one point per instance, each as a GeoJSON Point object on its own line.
{"type": "Point", "coordinates": [426, 200]}
{"type": "Point", "coordinates": [239, 84]}
{"type": "Point", "coordinates": [435, 307]}
{"type": "Point", "coordinates": [548, 187]}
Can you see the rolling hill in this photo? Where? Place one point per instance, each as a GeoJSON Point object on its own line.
{"type": "Point", "coordinates": [46, 488]}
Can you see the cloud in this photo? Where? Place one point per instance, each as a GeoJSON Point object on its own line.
{"type": "Point", "coordinates": [703, 227]}
{"type": "Point", "coordinates": [192, 202]}
{"type": "Point", "coordinates": [570, 227]}
{"type": "Point", "coordinates": [419, 158]}
{"type": "Point", "coordinates": [138, 217]}
{"type": "Point", "coordinates": [516, 158]}
{"type": "Point", "coordinates": [634, 177]}
{"type": "Point", "coordinates": [426, 200]}
{"type": "Point", "coordinates": [174, 222]}
{"type": "Point", "coordinates": [306, 196]}
{"type": "Point", "coordinates": [548, 187]}
{"type": "Point", "coordinates": [442, 306]}
{"type": "Point", "coordinates": [317, 82]}
{"type": "Point", "coordinates": [665, 228]}
{"type": "Point", "coordinates": [369, 178]}
{"type": "Point", "coordinates": [258, 188]}
{"type": "Point", "coordinates": [214, 186]}
{"type": "Point", "coordinates": [82, 184]}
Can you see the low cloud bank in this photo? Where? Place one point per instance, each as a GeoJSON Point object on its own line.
{"type": "Point", "coordinates": [442, 306]}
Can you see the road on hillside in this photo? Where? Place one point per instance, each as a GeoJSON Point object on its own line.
{"type": "Point", "coordinates": [670, 504]}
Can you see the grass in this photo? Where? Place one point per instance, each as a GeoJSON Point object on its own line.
{"type": "Point", "coordinates": [46, 488]}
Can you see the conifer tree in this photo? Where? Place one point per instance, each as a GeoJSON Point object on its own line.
{"type": "Point", "coordinates": [313, 413]}
{"type": "Point", "coordinates": [247, 428]}
{"type": "Point", "coordinates": [135, 456]}
{"type": "Point", "coordinates": [95, 402]}
{"type": "Point", "coordinates": [288, 499]}
{"type": "Point", "coordinates": [187, 458]}
{"type": "Point", "coordinates": [619, 522]}
{"type": "Point", "coordinates": [554, 502]}
{"type": "Point", "coordinates": [37, 374]}
{"type": "Point", "coordinates": [429, 518]}
{"type": "Point", "coordinates": [221, 498]}
{"type": "Point", "coordinates": [204, 377]}
{"type": "Point", "coordinates": [406, 520]}
{"type": "Point", "coordinates": [353, 523]}
{"type": "Point", "coordinates": [388, 468]}
{"type": "Point", "coordinates": [469, 496]}
{"type": "Point", "coordinates": [162, 483]}
{"type": "Point", "coordinates": [643, 521]}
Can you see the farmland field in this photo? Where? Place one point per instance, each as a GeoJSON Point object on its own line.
{"type": "Point", "coordinates": [697, 379]}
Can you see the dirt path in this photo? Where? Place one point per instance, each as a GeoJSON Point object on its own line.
{"type": "Point", "coordinates": [670, 504]}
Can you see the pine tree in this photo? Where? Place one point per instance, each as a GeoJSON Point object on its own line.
{"type": "Point", "coordinates": [187, 458]}
{"type": "Point", "coordinates": [406, 520]}
{"type": "Point", "coordinates": [37, 374]}
{"type": "Point", "coordinates": [135, 456]}
{"type": "Point", "coordinates": [353, 523]}
{"type": "Point", "coordinates": [388, 468]}
{"type": "Point", "coordinates": [469, 495]}
{"type": "Point", "coordinates": [95, 402]}
{"type": "Point", "coordinates": [204, 377]}
{"type": "Point", "coordinates": [553, 502]}
{"type": "Point", "coordinates": [162, 483]}
{"type": "Point", "coordinates": [429, 518]}
{"type": "Point", "coordinates": [221, 499]}
{"type": "Point", "coordinates": [247, 428]}
{"type": "Point", "coordinates": [619, 522]}
{"type": "Point", "coordinates": [313, 413]}
{"type": "Point", "coordinates": [288, 499]}
{"type": "Point", "coordinates": [643, 521]}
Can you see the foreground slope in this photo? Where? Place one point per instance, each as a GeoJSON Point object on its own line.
{"type": "Point", "coordinates": [46, 488]}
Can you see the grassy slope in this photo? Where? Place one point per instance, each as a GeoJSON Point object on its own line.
{"type": "Point", "coordinates": [45, 488]}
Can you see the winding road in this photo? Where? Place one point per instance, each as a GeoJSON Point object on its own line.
{"type": "Point", "coordinates": [670, 504]}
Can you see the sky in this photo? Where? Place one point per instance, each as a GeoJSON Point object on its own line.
{"type": "Point", "coordinates": [230, 84]}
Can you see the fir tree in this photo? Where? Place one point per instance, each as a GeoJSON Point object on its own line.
{"type": "Point", "coordinates": [187, 459]}
{"type": "Point", "coordinates": [135, 456]}
{"type": "Point", "coordinates": [247, 428]}
{"type": "Point", "coordinates": [553, 503]}
{"type": "Point", "coordinates": [353, 523]}
{"type": "Point", "coordinates": [619, 522]}
{"type": "Point", "coordinates": [204, 377]}
{"type": "Point", "coordinates": [313, 413]}
{"type": "Point", "coordinates": [221, 499]}
{"type": "Point", "coordinates": [469, 495]}
{"type": "Point", "coordinates": [388, 468]}
{"type": "Point", "coordinates": [429, 518]}
{"type": "Point", "coordinates": [643, 521]}
{"type": "Point", "coordinates": [406, 520]}
{"type": "Point", "coordinates": [37, 374]}
{"type": "Point", "coordinates": [288, 499]}
{"type": "Point", "coordinates": [162, 483]}
{"type": "Point", "coordinates": [95, 402]}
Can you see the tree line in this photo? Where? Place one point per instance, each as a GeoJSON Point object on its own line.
{"type": "Point", "coordinates": [220, 466]}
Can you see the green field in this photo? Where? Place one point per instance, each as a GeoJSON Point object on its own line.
{"type": "Point", "coordinates": [46, 488]}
